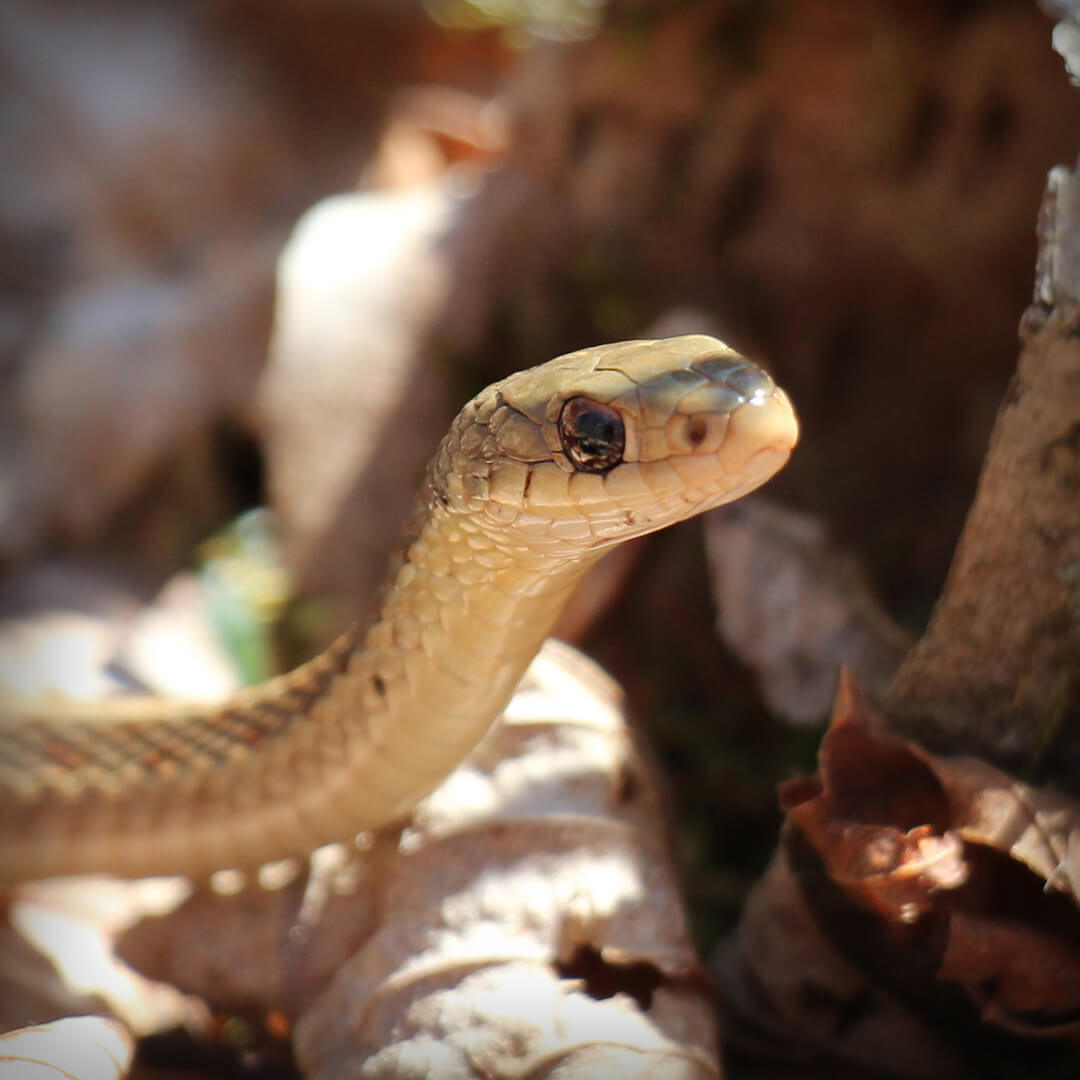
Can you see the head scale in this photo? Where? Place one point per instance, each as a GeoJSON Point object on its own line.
{"type": "Point", "coordinates": [613, 442]}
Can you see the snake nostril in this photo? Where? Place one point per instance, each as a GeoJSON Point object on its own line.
{"type": "Point", "coordinates": [696, 430]}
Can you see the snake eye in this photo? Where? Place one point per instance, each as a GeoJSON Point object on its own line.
{"type": "Point", "coordinates": [592, 435]}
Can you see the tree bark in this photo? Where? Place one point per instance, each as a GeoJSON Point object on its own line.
{"type": "Point", "coordinates": [997, 673]}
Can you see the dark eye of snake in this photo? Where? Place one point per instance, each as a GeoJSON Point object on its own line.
{"type": "Point", "coordinates": [592, 435]}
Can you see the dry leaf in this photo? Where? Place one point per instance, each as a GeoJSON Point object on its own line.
{"type": "Point", "coordinates": [1040, 979]}
{"type": "Point", "coordinates": [795, 1006]}
{"type": "Point", "coordinates": [985, 863]}
{"type": "Point", "coordinates": [431, 128]}
{"type": "Point", "coordinates": [795, 609]}
{"type": "Point", "coordinates": [359, 280]}
{"type": "Point", "coordinates": [56, 953]}
{"type": "Point", "coordinates": [86, 1047]}
{"type": "Point", "coordinates": [877, 817]}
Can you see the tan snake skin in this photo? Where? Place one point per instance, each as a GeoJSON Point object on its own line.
{"type": "Point", "coordinates": [525, 493]}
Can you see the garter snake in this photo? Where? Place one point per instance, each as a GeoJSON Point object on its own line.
{"type": "Point", "coordinates": [539, 475]}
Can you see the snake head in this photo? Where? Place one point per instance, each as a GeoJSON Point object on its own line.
{"type": "Point", "coordinates": [612, 442]}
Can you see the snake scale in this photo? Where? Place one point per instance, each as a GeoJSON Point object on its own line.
{"type": "Point", "coordinates": [539, 475]}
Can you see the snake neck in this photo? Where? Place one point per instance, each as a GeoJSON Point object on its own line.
{"type": "Point", "coordinates": [459, 625]}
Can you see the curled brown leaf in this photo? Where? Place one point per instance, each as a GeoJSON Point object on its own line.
{"type": "Point", "coordinates": [986, 861]}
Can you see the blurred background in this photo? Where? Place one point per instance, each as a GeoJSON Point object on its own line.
{"type": "Point", "coordinates": [256, 254]}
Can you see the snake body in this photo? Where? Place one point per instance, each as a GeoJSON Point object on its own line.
{"type": "Point", "coordinates": [539, 475]}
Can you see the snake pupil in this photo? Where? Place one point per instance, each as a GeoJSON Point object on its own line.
{"type": "Point", "coordinates": [592, 435]}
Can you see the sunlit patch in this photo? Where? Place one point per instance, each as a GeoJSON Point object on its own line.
{"type": "Point", "coordinates": [228, 882]}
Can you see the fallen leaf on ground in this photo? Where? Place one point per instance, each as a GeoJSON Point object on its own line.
{"type": "Point", "coordinates": [796, 609]}
{"type": "Point", "coordinates": [985, 863]}
{"type": "Point", "coordinates": [86, 1047]}
{"type": "Point", "coordinates": [794, 1007]}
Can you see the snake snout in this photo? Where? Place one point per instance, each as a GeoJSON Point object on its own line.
{"type": "Point", "coordinates": [761, 435]}
{"type": "Point", "coordinates": [776, 420]}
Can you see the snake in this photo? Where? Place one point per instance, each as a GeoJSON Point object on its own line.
{"type": "Point", "coordinates": [539, 475]}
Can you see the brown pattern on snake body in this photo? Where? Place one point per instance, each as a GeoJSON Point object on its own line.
{"type": "Point", "coordinates": [83, 757]}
